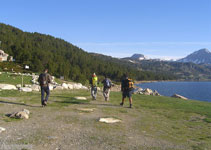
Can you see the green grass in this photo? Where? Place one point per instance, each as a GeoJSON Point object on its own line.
{"type": "Point", "coordinates": [14, 79]}
{"type": "Point", "coordinates": [163, 118]}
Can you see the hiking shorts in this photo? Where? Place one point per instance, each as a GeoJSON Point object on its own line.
{"type": "Point", "coordinates": [127, 94]}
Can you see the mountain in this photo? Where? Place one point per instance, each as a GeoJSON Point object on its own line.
{"type": "Point", "coordinates": [62, 58]}
{"type": "Point", "coordinates": [202, 56]}
{"type": "Point", "coordinates": [135, 57]}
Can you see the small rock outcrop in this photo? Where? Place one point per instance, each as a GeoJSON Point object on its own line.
{"type": "Point", "coordinates": [86, 109]}
{"type": "Point", "coordinates": [7, 87]}
{"type": "Point", "coordinates": [2, 129]}
{"type": "Point", "coordinates": [109, 120]}
{"type": "Point", "coordinates": [80, 98]}
{"type": "Point", "coordinates": [24, 114]}
{"type": "Point", "coordinates": [25, 89]}
{"type": "Point", "coordinates": [179, 96]}
{"type": "Point", "coordinates": [147, 91]}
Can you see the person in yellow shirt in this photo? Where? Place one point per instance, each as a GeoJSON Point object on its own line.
{"type": "Point", "coordinates": [94, 83]}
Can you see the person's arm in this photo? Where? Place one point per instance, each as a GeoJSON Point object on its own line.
{"type": "Point", "coordinates": [122, 86]}
{"type": "Point", "coordinates": [49, 78]}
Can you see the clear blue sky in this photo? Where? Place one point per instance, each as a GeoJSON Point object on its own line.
{"type": "Point", "coordinates": [155, 28]}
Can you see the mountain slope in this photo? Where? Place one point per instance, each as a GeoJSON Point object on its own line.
{"type": "Point", "coordinates": [202, 56]}
{"type": "Point", "coordinates": [62, 58]}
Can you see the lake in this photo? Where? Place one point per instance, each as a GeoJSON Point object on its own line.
{"type": "Point", "coordinates": [192, 90]}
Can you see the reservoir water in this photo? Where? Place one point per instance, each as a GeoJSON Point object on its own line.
{"type": "Point", "coordinates": [192, 90]}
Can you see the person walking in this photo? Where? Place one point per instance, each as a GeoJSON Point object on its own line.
{"type": "Point", "coordinates": [106, 88]}
{"type": "Point", "coordinates": [44, 80]}
{"type": "Point", "coordinates": [94, 83]}
{"type": "Point", "coordinates": [127, 89]}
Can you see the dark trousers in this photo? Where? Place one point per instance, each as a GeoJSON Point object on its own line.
{"type": "Point", "coordinates": [44, 89]}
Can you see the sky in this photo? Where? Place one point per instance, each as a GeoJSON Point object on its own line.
{"type": "Point", "coordinates": [168, 29]}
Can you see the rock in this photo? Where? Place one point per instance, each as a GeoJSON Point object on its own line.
{"type": "Point", "coordinates": [35, 87]}
{"type": "Point", "coordinates": [147, 91]}
{"type": "Point", "coordinates": [155, 93]}
{"type": "Point", "coordinates": [25, 89]}
{"type": "Point", "coordinates": [58, 88]}
{"type": "Point", "coordinates": [70, 86]}
{"type": "Point", "coordinates": [28, 85]}
{"type": "Point", "coordinates": [84, 88]}
{"type": "Point", "coordinates": [98, 88]}
{"type": "Point", "coordinates": [2, 129]}
{"type": "Point", "coordinates": [51, 87]}
{"type": "Point", "coordinates": [65, 86]}
{"type": "Point", "coordinates": [179, 96]}
{"type": "Point", "coordinates": [109, 120]}
{"type": "Point", "coordinates": [7, 87]}
{"type": "Point", "coordinates": [138, 90]}
{"type": "Point", "coordinates": [86, 109]}
{"type": "Point", "coordinates": [80, 98]}
{"type": "Point", "coordinates": [18, 86]}
{"type": "Point", "coordinates": [77, 86]}
{"type": "Point", "coordinates": [24, 114]}
{"type": "Point", "coordinates": [26, 111]}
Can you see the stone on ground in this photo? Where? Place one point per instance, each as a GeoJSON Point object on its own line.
{"type": "Point", "coordinates": [25, 89]}
{"type": "Point", "coordinates": [7, 87]}
{"type": "Point", "coordinates": [109, 120]}
{"type": "Point", "coordinates": [64, 85]}
{"type": "Point", "coordinates": [2, 129]}
{"type": "Point", "coordinates": [35, 87]}
{"type": "Point", "coordinates": [179, 96]}
{"type": "Point", "coordinates": [86, 109]}
{"type": "Point", "coordinates": [80, 98]}
{"type": "Point", "coordinates": [24, 114]}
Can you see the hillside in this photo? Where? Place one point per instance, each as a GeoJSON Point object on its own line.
{"type": "Point", "coordinates": [62, 58]}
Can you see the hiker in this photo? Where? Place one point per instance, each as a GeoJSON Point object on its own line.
{"type": "Point", "coordinates": [106, 88]}
{"type": "Point", "coordinates": [44, 80]}
{"type": "Point", "coordinates": [94, 83]}
{"type": "Point", "coordinates": [127, 89]}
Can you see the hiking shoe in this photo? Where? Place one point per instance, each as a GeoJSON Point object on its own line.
{"type": "Point", "coordinates": [130, 106]}
{"type": "Point", "coordinates": [121, 104]}
{"type": "Point", "coordinates": [45, 103]}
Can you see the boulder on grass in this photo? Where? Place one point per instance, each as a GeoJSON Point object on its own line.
{"type": "Point", "coordinates": [147, 91]}
{"type": "Point", "coordinates": [35, 87]}
{"type": "Point", "coordinates": [24, 114]}
{"type": "Point", "coordinates": [109, 120]}
{"type": "Point", "coordinates": [70, 86]}
{"type": "Point", "coordinates": [25, 89]}
{"type": "Point", "coordinates": [80, 98]}
{"type": "Point", "coordinates": [65, 86]}
{"type": "Point", "coordinates": [7, 87]}
{"type": "Point", "coordinates": [2, 129]}
{"type": "Point", "coordinates": [179, 96]}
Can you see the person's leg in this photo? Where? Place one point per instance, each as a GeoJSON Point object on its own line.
{"type": "Point", "coordinates": [95, 93]}
{"type": "Point", "coordinates": [47, 93]}
{"type": "Point", "coordinates": [42, 95]}
{"type": "Point", "coordinates": [104, 94]}
{"type": "Point", "coordinates": [130, 99]}
{"type": "Point", "coordinates": [92, 93]}
{"type": "Point", "coordinates": [131, 102]}
{"type": "Point", "coordinates": [108, 94]}
{"type": "Point", "coordinates": [123, 98]}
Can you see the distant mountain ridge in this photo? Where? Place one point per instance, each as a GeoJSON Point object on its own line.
{"type": "Point", "coordinates": [202, 56]}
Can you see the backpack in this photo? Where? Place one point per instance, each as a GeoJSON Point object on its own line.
{"type": "Point", "coordinates": [107, 83]}
{"type": "Point", "coordinates": [94, 81]}
{"type": "Point", "coordinates": [128, 84]}
{"type": "Point", "coordinates": [43, 79]}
